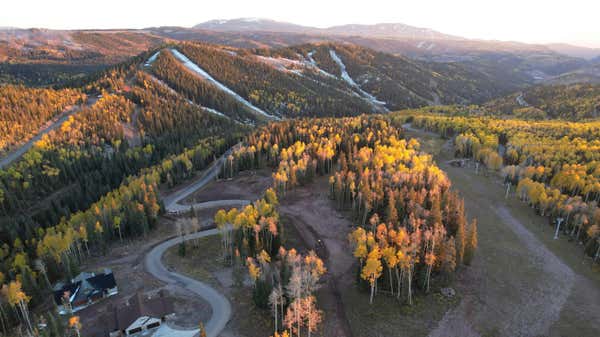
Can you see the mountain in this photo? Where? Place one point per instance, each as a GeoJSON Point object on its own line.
{"type": "Point", "coordinates": [575, 51]}
{"type": "Point", "coordinates": [331, 79]}
{"type": "Point", "coordinates": [253, 25]}
{"type": "Point", "coordinates": [530, 63]}
{"type": "Point", "coordinates": [389, 30]}
{"type": "Point", "coordinates": [42, 56]}
{"type": "Point", "coordinates": [73, 46]}
{"type": "Point", "coordinates": [45, 56]}
{"type": "Point", "coordinates": [571, 102]}
{"type": "Point", "coordinates": [380, 30]}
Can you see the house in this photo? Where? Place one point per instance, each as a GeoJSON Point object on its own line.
{"type": "Point", "coordinates": [83, 290]}
{"type": "Point", "coordinates": [140, 313]}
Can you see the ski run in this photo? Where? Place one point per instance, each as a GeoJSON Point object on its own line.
{"type": "Point", "coordinates": [202, 73]}
{"type": "Point", "coordinates": [346, 77]}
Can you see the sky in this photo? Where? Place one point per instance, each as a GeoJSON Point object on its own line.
{"type": "Point", "coordinates": [532, 21]}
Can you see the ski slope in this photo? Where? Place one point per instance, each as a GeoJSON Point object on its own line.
{"type": "Point", "coordinates": [346, 77]}
{"type": "Point", "coordinates": [312, 62]}
{"type": "Point", "coordinates": [205, 75]}
{"type": "Point", "coordinates": [174, 92]}
{"type": "Point", "coordinates": [151, 59]}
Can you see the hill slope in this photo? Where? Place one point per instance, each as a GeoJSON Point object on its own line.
{"type": "Point", "coordinates": [572, 102]}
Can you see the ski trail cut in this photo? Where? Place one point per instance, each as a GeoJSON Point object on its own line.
{"type": "Point", "coordinates": [202, 73]}
{"type": "Point", "coordinates": [346, 77]}
{"type": "Point", "coordinates": [151, 59]}
{"type": "Point", "coordinates": [313, 63]}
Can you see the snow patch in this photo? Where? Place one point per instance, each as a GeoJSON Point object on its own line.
{"type": "Point", "coordinates": [346, 77]}
{"type": "Point", "coordinates": [281, 63]}
{"type": "Point", "coordinates": [313, 63]}
{"type": "Point", "coordinates": [174, 92]}
{"type": "Point", "coordinates": [151, 59]}
{"type": "Point", "coordinates": [202, 73]}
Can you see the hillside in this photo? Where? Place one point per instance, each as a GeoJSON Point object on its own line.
{"type": "Point", "coordinates": [571, 102]}
{"type": "Point", "coordinates": [317, 80]}
{"type": "Point", "coordinates": [400, 81]}
{"type": "Point", "coordinates": [41, 56]}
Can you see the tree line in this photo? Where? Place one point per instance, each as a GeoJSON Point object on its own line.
{"type": "Point", "coordinates": [96, 180]}
{"type": "Point", "coordinates": [551, 165]}
{"type": "Point", "coordinates": [23, 111]}
{"type": "Point", "coordinates": [422, 232]}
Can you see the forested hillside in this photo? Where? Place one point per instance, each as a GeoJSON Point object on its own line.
{"type": "Point", "coordinates": [24, 110]}
{"type": "Point", "coordinates": [570, 102]}
{"type": "Point", "coordinates": [402, 82]}
{"type": "Point", "coordinates": [43, 57]}
{"type": "Point", "coordinates": [168, 69]}
{"type": "Point", "coordinates": [319, 80]}
{"type": "Point", "coordinates": [96, 177]}
{"type": "Point", "coordinates": [410, 230]}
{"type": "Point", "coordinates": [282, 86]}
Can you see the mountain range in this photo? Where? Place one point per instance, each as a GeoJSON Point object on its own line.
{"type": "Point", "coordinates": [68, 53]}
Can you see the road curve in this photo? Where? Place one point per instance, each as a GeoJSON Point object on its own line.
{"type": "Point", "coordinates": [64, 116]}
{"type": "Point", "coordinates": [171, 201]}
{"type": "Point", "coordinates": [221, 308]}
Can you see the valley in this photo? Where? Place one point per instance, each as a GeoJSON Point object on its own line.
{"type": "Point", "coordinates": [251, 178]}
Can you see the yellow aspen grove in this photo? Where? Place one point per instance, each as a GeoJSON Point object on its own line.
{"type": "Point", "coordinates": [17, 298]}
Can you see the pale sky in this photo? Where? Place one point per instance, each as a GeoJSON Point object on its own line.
{"type": "Point", "coordinates": [537, 21]}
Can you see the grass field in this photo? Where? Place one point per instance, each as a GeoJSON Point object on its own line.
{"type": "Point", "coordinates": [522, 282]}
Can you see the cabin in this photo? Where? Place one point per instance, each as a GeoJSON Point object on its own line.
{"type": "Point", "coordinates": [84, 290]}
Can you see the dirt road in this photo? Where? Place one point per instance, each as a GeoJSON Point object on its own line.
{"type": "Point", "coordinates": [63, 117]}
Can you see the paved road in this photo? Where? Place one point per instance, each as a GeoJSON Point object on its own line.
{"type": "Point", "coordinates": [171, 201]}
{"type": "Point", "coordinates": [221, 308]}
{"type": "Point", "coordinates": [16, 154]}
{"type": "Point", "coordinates": [179, 208]}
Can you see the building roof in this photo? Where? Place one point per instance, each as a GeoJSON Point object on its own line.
{"type": "Point", "coordinates": [84, 286]}
{"type": "Point", "coordinates": [119, 318]}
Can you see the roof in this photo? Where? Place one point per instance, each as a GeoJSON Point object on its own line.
{"type": "Point", "coordinates": [143, 321]}
{"type": "Point", "coordinates": [120, 318]}
{"type": "Point", "coordinates": [86, 285]}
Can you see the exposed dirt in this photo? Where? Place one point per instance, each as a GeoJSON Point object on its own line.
{"type": "Point", "coordinates": [248, 185]}
{"type": "Point", "coordinates": [315, 219]}
{"type": "Point", "coordinates": [126, 262]}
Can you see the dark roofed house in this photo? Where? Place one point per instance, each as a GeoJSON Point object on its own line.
{"type": "Point", "coordinates": [83, 290]}
{"type": "Point", "coordinates": [140, 313]}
